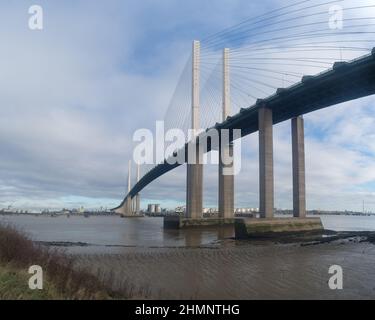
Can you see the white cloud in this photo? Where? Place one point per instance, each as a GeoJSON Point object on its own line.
{"type": "Point", "coordinates": [72, 95]}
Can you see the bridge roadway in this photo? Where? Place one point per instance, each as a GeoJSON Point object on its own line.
{"type": "Point", "coordinates": [345, 81]}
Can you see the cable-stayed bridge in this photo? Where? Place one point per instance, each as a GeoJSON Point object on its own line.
{"type": "Point", "coordinates": [273, 68]}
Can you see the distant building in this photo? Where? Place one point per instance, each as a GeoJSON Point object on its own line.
{"type": "Point", "coordinates": [154, 209]}
{"type": "Point", "coordinates": [157, 208]}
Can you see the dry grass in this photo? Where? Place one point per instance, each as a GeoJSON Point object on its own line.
{"type": "Point", "coordinates": [60, 270]}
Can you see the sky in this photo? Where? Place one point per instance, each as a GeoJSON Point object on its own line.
{"type": "Point", "coordinates": [73, 94]}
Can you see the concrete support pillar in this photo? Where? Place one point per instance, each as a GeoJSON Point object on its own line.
{"type": "Point", "coordinates": [298, 151]}
{"type": "Point", "coordinates": [226, 184]}
{"type": "Point", "coordinates": [194, 196]}
{"type": "Point", "coordinates": [128, 204]}
{"type": "Point", "coordinates": [194, 188]}
{"type": "Point", "coordinates": [266, 179]}
{"type": "Point", "coordinates": [135, 204]}
{"type": "Point", "coordinates": [138, 196]}
{"type": "Point", "coordinates": [226, 177]}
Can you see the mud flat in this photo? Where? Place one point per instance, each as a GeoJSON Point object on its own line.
{"type": "Point", "coordinates": [291, 268]}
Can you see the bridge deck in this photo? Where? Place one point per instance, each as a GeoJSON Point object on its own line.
{"type": "Point", "coordinates": [346, 81]}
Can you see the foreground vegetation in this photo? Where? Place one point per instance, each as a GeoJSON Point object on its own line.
{"type": "Point", "coordinates": [14, 285]}
{"type": "Point", "coordinates": [62, 279]}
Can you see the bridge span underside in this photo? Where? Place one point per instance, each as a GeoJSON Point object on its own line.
{"type": "Point", "coordinates": [346, 81]}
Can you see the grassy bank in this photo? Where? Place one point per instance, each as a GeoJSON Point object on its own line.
{"type": "Point", "coordinates": [14, 286]}
{"type": "Point", "coordinates": [62, 279]}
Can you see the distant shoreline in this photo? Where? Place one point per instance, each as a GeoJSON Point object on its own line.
{"type": "Point", "coordinates": [111, 214]}
{"type": "Point", "coordinates": [55, 214]}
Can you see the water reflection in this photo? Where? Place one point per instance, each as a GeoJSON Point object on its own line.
{"type": "Point", "coordinates": [197, 237]}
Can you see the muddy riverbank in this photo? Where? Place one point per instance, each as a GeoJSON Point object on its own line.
{"type": "Point", "coordinates": [249, 270]}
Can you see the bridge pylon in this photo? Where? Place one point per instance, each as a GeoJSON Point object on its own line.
{"type": "Point", "coordinates": [138, 196]}
{"type": "Point", "coordinates": [128, 204]}
{"type": "Point", "coordinates": [226, 172]}
{"type": "Point", "coordinates": [266, 176]}
{"type": "Point", "coordinates": [299, 181]}
{"type": "Point", "coordinates": [125, 209]}
{"type": "Point", "coordinates": [194, 179]}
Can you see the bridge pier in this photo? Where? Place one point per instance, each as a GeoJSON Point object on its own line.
{"type": "Point", "coordinates": [298, 152]}
{"type": "Point", "coordinates": [194, 192]}
{"type": "Point", "coordinates": [226, 181]}
{"type": "Point", "coordinates": [128, 207]}
{"type": "Point", "coordinates": [137, 208]}
{"type": "Point", "coordinates": [129, 202]}
{"type": "Point", "coordinates": [194, 179]}
{"type": "Point", "coordinates": [137, 204]}
{"type": "Point", "coordinates": [226, 184]}
{"type": "Point", "coordinates": [266, 178]}
{"type": "Point", "coordinates": [133, 205]}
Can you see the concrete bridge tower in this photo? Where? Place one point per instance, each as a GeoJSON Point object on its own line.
{"type": "Point", "coordinates": [226, 177]}
{"type": "Point", "coordinates": [299, 184]}
{"type": "Point", "coordinates": [266, 171]}
{"type": "Point", "coordinates": [138, 196]}
{"type": "Point", "coordinates": [266, 177]}
{"type": "Point", "coordinates": [194, 188]}
{"type": "Point", "coordinates": [126, 207]}
{"type": "Point", "coordinates": [128, 204]}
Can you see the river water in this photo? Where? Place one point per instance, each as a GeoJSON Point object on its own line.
{"type": "Point", "coordinates": [209, 264]}
{"type": "Point", "coordinates": [110, 233]}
